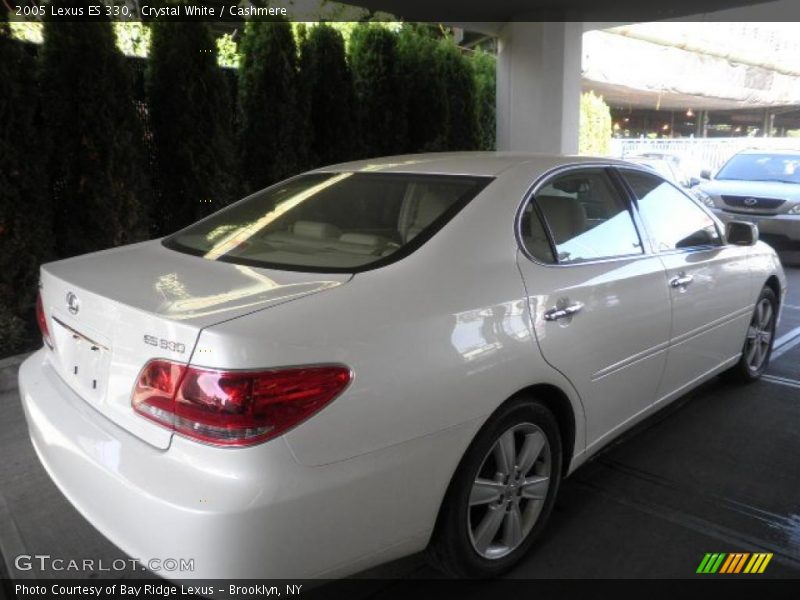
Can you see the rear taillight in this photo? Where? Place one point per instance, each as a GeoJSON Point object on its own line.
{"type": "Point", "coordinates": [41, 319]}
{"type": "Point", "coordinates": [234, 408]}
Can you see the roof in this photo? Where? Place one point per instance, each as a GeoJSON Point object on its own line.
{"type": "Point", "coordinates": [488, 164]}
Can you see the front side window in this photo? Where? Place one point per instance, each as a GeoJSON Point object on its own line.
{"type": "Point", "coordinates": [335, 222]}
{"type": "Point", "coordinates": [586, 217]}
{"type": "Point", "coordinates": [673, 220]}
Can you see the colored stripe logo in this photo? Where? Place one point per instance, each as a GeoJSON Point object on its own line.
{"type": "Point", "coordinates": [734, 563]}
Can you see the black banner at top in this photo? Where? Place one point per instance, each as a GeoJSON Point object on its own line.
{"type": "Point", "coordinates": [440, 11]}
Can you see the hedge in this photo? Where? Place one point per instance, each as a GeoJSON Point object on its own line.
{"type": "Point", "coordinates": [380, 107]}
{"type": "Point", "coordinates": [272, 138]}
{"type": "Point", "coordinates": [424, 88]}
{"type": "Point", "coordinates": [96, 162]}
{"type": "Point", "coordinates": [191, 113]}
{"type": "Point", "coordinates": [484, 66]}
{"type": "Point", "coordinates": [462, 117]}
{"type": "Point", "coordinates": [131, 148]}
{"type": "Point", "coordinates": [329, 96]}
{"type": "Point", "coordinates": [25, 210]}
{"type": "Point", "coordinates": [595, 125]}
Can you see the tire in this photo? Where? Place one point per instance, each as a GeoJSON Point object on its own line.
{"type": "Point", "coordinates": [462, 543]}
{"type": "Point", "coordinates": [758, 341]}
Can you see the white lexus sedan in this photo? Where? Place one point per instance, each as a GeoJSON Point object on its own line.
{"type": "Point", "coordinates": [379, 357]}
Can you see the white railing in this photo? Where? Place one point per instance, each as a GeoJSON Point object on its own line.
{"type": "Point", "coordinates": [700, 153]}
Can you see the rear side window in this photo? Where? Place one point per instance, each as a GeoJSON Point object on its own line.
{"type": "Point", "coordinates": [330, 222]}
{"type": "Point", "coordinates": [586, 218]}
{"type": "Point", "coordinates": [673, 220]}
{"type": "Point", "coordinates": [534, 236]}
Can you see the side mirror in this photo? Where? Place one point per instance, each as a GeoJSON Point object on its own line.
{"type": "Point", "coordinates": [693, 181]}
{"type": "Point", "coordinates": [741, 233]}
{"type": "Point", "coordinates": [705, 174]}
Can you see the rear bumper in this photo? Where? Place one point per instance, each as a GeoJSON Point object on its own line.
{"type": "Point", "coordinates": [235, 513]}
{"type": "Point", "coordinates": [786, 226]}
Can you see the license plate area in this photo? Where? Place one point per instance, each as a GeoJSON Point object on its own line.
{"type": "Point", "coordinates": [747, 218]}
{"type": "Point", "coordinates": [84, 360]}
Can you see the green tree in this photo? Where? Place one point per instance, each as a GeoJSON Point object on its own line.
{"type": "Point", "coordinates": [484, 66]}
{"type": "Point", "coordinates": [96, 165]}
{"type": "Point", "coordinates": [425, 92]}
{"type": "Point", "coordinates": [379, 92]}
{"type": "Point", "coordinates": [25, 216]}
{"type": "Point", "coordinates": [191, 121]}
{"type": "Point", "coordinates": [327, 87]}
{"type": "Point", "coordinates": [272, 129]}
{"type": "Point", "coordinates": [595, 125]}
{"type": "Point", "coordinates": [462, 118]}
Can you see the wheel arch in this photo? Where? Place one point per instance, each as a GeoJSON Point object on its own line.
{"type": "Point", "coordinates": [557, 401]}
{"type": "Point", "coordinates": [775, 285]}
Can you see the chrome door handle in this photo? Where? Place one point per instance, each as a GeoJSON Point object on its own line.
{"type": "Point", "coordinates": [554, 314]}
{"type": "Point", "coordinates": [681, 281]}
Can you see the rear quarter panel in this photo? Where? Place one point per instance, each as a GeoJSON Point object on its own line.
{"type": "Point", "coordinates": [440, 338]}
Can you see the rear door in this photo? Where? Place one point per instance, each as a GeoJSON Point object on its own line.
{"type": "Point", "coordinates": [599, 302]}
{"type": "Point", "coordinates": [708, 281]}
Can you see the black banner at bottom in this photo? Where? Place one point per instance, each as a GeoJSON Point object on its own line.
{"type": "Point", "coordinates": [391, 589]}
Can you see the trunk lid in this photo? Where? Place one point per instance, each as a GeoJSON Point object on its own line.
{"type": "Point", "coordinates": [110, 312]}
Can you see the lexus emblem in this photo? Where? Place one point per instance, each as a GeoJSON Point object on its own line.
{"type": "Point", "coordinates": [73, 304]}
{"type": "Point", "coordinates": [751, 201]}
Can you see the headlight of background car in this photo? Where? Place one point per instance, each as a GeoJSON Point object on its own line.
{"type": "Point", "coordinates": [704, 198]}
{"type": "Point", "coordinates": [795, 210]}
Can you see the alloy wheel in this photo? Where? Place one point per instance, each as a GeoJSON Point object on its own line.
{"type": "Point", "coordinates": [759, 335]}
{"type": "Point", "coordinates": [509, 491]}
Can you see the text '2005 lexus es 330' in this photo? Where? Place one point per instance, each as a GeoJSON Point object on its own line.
{"type": "Point", "coordinates": [379, 357]}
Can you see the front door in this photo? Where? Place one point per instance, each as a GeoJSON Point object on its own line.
{"type": "Point", "coordinates": [708, 282]}
{"type": "Point", "coordinates": [600, 305]}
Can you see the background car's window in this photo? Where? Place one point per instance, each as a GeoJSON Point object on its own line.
{"type": "Point", "coordinates": [762, 167]}
{"type": "Point", "coordinates": [329, 221]}
{"type": "Point", "coordinates": [587, 219]}
{"type": "Point", "coordinates": [672, 218]}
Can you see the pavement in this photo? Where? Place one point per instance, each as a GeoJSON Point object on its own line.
{"type": "Point", "coordinates": [715, 471]}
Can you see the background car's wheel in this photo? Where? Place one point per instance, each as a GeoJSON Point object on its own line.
{"type": "Point", "coordinates": [758, 340]}
{"type": "Point", "coordinates": [502, 493]}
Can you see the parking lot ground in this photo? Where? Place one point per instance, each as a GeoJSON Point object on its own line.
{"type": "Point", "coordinates": [714, 472]}
{"type": "Point", "coordinates": [787, 337]}
{"type": "Point", "coordinates": [35, 518]}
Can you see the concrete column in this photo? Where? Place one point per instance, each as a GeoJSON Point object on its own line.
{"type": "Point", "coordinates": [702, 124]}
{"type": "Point", "coordinates": [539, 87]}
{"type": "Point", "coordinates": [768, 123]}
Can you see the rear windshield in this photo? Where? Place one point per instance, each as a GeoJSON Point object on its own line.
{"type": "Point", "coordinates": [330, 222]}
{"type": "Point", "coordinates": [762, 167]}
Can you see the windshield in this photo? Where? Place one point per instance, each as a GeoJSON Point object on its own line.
{"type": "Point", "coordinates": [762, 167]}
{"type": "Point", "coordinates": [331, 222]}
